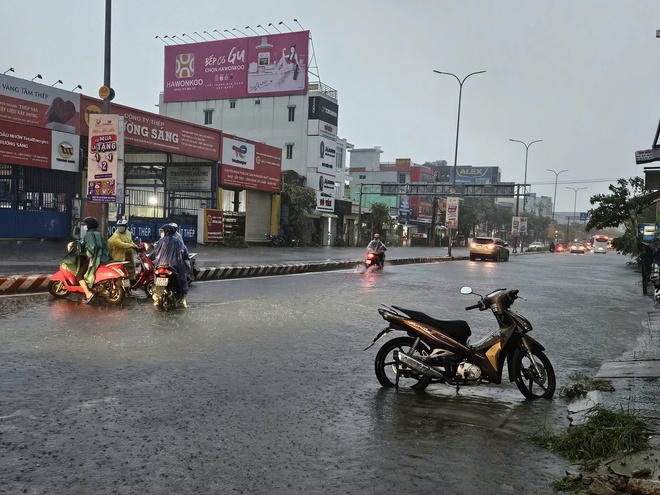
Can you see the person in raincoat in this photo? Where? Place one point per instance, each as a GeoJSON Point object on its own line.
{"type": "Point", "coordinates": [170, 250]}
{"type": "Point", "coordinates": [93, 250]}
{"type": "Point", "coordinates": [121, 247]}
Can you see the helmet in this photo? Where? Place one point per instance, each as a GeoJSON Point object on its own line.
{"type": "Point", "coordinates": [174, 226]}
{"type": "Point", "coordinates": [376, 236]}
{"type": "Point", "coordinates": [91, 222]}
{"type": "Point", "coordinates": [168, 229]}
{"type": "Point", "coordinates": [122, 222]}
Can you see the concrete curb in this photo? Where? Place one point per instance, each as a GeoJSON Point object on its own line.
{"type": "Point", "coordinates": [37, 283]}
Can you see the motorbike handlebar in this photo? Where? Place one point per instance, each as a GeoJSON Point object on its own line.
{"type": "Point", "coordinates": [474, 306]}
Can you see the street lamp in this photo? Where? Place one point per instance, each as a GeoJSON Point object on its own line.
{"type": "Point", "coordinates": [515, 244]}
{"type": "Point", "coordinates": [458, 124]}
{"type": "Point", "coordinates": [554, 199]}
{"type": "Point", "coordinates": [574, 201]}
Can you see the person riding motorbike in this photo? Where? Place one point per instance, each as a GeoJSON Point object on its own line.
{"type": "Point", "coordinates": [171, 250]}
{"type": "Point", "coordinates": [377, 246]}
{"type": "Point", "coordinates": [94, 250]}
{"type": "Point", "coordinates": [121, 247]}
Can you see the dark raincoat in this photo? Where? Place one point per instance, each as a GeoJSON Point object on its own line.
{"type": "Point", "coordinates": [171, 250]}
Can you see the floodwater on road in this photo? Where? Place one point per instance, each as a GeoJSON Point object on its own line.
{"type": "Point", "coordinates": [262, 385]}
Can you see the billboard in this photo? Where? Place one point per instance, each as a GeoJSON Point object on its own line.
{"type": "Point", "coordinates": [475, 175]}
{"type": "Point", "coordinates": [29, 103]}
{"type": "Point", "coordinates": [105, 162]}
{"type": "Point", "coordinates": [269, 65]}
{"type": "Point", "coordinates": [250, 165]}
{"type": "Point", "coordinates": [156, 132]}
{"type": "Point", "coordinates": [37, 147]}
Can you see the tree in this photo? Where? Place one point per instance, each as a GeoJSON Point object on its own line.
{"type": "Point", "coordinates": [626, 206]}
{"type": "Point", "coordinates": [300, 201]}
{"type": "Point", "coordinates": [380, 215]}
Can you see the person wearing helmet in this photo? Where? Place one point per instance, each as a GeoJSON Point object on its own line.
{"type": "Point", "coordinates": [377, 247]}
{"type": "Point", "coordinates": [121, 247]}
{"type": "Point", "coordinates": [94, 250]}
{"type": "Point", "coordinates": [172, 251]}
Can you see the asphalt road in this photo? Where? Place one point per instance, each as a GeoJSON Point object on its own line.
{"type": "Point", "coordinates": [262, 385]}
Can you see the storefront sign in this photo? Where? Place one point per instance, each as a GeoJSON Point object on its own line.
{"type": "Point", "coordinates": [105, 163]}
{"type": "Point", "coordinates": [250, 165]}
{"type": "Point", "coordinates": [213, 225]}
{"type": "Point", "coordinates": [189, 178]}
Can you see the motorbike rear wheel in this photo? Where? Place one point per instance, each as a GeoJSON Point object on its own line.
{"type": "Point", "coordinates": [57, 289]}
{"type": "Point", "coordinates": [150, 288]}
{"type": "Point", "coordinates": [530, 383]}
{"type": "Point", "coordinates": [390, 374]}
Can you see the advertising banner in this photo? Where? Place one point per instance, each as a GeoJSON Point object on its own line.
{"type": "Point", "coordinates": [189, 178]}
{"type": "Point", "coordinates": [475, 175]}
{"type": "Point", "coordinates": [269, 65]}
{"type": "Point", "coordinates": [213, 225]}
{"type": "Point", "coordinates": [105, 171]}
{"type": "Point", "coordinates": [515, 226]}
{"type": "Point", "coordinates": [523, 226]}
{"type": "Point", "coordinates": [156, 132]}
{"type": "Point", "coordinates": [247, 164]}
{"type": "Point", "coordinates": [30, 103]}
{"type": "Point", "coordinates": [36, 147]}
{"type": "Point", "coordinates": [324, 110]}
{"type": "Point", "coordinates": [451, 221]}
{"type": "Point", "coordinates": [325, 192]}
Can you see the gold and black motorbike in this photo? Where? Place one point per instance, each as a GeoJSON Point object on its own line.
{"type": "Point", "coordinates": [439, 351]}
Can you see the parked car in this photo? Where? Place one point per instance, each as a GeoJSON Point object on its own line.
{"type": "Point", "coordinates": [535, 246]}
{"type": "Point", "coordinates": [489, 248]}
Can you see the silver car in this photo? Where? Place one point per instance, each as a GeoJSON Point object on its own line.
{"type": "Point", "coordinates": [489, 248]}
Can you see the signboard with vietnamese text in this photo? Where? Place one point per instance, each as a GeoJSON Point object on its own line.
{"type": "Point", "coordinates": [189, 178]}
{"type": "Point", "coordinates": [105, 162]}
{"type": "Point", "coordinates": [213, 225]}
{"type": "Point", "coordinates": [247, 164]}
{"type": "Point", "coordinates": [451, 219]}
{"type": "Point", "coordinates": [157, 132]}
{"type": "Point", "coordinates": [34, 104]}
{"type": "Point", "coordinates": [268, 65]}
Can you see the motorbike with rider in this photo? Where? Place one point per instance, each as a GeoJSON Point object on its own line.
{"type": "Point", "coordinates": [375, 255]}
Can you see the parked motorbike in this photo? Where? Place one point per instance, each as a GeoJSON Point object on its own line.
{"type": "Point", "coordinates": [275, 240]}
{"type": "Point", "coordinates": [144, 269]}
{"type": "Point", "coordinates": [373, 260]}
{"type": "Point", "coordinates": [169, 293]}
{"type": "Point", "coordinates": [191, 268]}
{"type": "Point", "coordinates": [655, 280]}
{"type": "Point", "coordinates": [438, 351]}
{"type": "Point", "coordinates": [110, 282]}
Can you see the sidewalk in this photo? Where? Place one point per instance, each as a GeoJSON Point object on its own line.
{"type": "Point", "coordinates": [28, 265]}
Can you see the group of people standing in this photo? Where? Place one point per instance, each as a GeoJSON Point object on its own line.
{"type": "Point", "coordinates": [94, 250]}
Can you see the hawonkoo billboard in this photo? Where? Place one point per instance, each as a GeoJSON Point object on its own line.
{"type": "Point", "coordinates": [269, 65]}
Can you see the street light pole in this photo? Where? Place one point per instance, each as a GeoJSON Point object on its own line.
{"type": "Point", "coordinates": [575, 200]}
{"type": "Point", "coordinates": [458, 125]}
{"type": "Point", "coordinates": [554, 198]}
{"type": "Point", "coordinates": [515, 244]}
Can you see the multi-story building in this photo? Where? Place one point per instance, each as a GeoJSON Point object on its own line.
{"type": "Point", "coordinates": [259, 87]}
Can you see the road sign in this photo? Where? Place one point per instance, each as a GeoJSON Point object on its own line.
{"type": "Point", "coordinates": [583, 217]}
{"type": "Point", "coordinates": [647, 156]}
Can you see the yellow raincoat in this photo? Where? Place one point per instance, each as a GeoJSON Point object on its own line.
{"type": "Point", "coordinates": [121, 249]}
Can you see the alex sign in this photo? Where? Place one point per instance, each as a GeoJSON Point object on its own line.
{"type": "Point", "coordinates": [105, 163]}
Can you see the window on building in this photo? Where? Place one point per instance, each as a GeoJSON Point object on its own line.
{"type": "Point", "coordinates": [208, 116]}
{"type": "Point", "coordinates": [292, 113]}
{"type": "Point", "coordinates": [232, 103]}
{"type": "Point", "coordinates": [257, 102]}
{"type": "Point", "coordinates": [402, 178]}
{"type": "Point", "coordinates": [289, 151]}
{"type": "Point", "coordinates": [363, 177]}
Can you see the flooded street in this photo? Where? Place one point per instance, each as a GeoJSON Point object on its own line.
{"type": "Point", "coordinates": [262, 385]}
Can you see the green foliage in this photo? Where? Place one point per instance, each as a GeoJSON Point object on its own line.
{"type": "Point", "coordinates": [301, 201]}
{"type": "Point", "coordinates": [603, 434]}
{"type": "Point", "coordinates": [380, 217]}
{"type": "Point", "coordinates": [233, 241]}
{"type": "Point", "coordinates": [627, 205]}
{"type": "Point", "coordinates": [583, 385]}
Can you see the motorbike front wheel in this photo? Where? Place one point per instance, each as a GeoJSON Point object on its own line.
{"type": "Point", "coordinates": [391, 374]}
{"type": "Point", "coordinates": [57, 289]}
{"type": "Point", "coordinates": [113, 291]}
{"type": "Point", "coordinates": [534, 384]}
{"type": "Point", "coordinates": [150, 288]}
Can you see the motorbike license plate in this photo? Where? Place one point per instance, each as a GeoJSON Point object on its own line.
{"type": "Point", "coordinates": [161, 281]}
{"type": "Point", "coordinates": [125, 283]}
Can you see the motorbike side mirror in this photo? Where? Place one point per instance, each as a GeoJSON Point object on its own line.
{"type": "Point", "coordinates": [466, 290]}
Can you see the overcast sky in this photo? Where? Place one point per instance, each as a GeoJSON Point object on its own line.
{"type": "Point", "coordinates": [582, 75]}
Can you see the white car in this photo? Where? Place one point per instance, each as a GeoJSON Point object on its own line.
{"type": "Point", "coordinates": [536, 245]}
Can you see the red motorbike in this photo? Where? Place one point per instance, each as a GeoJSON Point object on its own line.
{"type": "Point", "coordinates": [144, 270]}
{"type": "Point", "coordinates": [110, 282]}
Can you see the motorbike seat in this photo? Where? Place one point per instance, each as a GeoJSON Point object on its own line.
{"type": "Point", "coordinates": [459, 330]}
